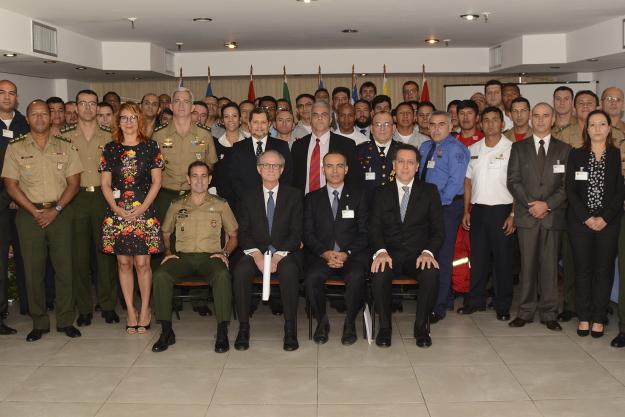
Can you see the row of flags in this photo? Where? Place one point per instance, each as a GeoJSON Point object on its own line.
{"type": "Point", "coordinates": [251, 94]}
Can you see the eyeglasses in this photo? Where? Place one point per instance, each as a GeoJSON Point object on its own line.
{"type": "Point", "coordinates": [320, 115]}
{"type": "Point", "coordinates": [128, 119]}
{"type": "Point", "coordinates": [301, 106]}
{"type": "Point", "coordinates": [83, 103]}
{"type": "Point", "coordinates": [384, 125]}
{"type": "Point", "coordinates": [612, 99]}
{"type": "Point", "coordinates": [586, 104]}
{"type": "Point", "coordinates": [270, 166]}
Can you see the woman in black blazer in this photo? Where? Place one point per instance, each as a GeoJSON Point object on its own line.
{"type": "Point", "coordinates": [231, 117]}
{"type": "Point", "coordinates": [595, 190]}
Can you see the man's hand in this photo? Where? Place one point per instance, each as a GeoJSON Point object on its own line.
{"type": "Point", "coordinates": [258, 260]}
{"type": "Point", "coordinates": [425, 260]}
{"type": "Point", "coordinates": [168, 257]}
{"type": "Point", "coordinates": [13, 206]}
{"type": "Point", "coordinates": [275, 260]}
{"type": "Point", "coordinates": [45, 217]}
{"type": "Point", "coordinates": [381, 262]}
{"type": "Point", "coordinates": [538, 209]}
{"type": "Point", "coordinates": [222, 257]}
{"type": "Point", "coordinates": [508, 226]}
{"type": "Point", "coordinates": [334, 259]}
{"type": "Point", "coordinates": [466, 221]}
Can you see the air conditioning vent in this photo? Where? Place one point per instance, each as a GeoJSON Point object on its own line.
{"type": "Point", "coordinates": [44, 39]}
{"type": "Point", "coordinates": [495, 58]}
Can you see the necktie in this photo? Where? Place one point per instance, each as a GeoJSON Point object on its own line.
{"type": "Point", "coordinates": [363, 131]}
{"type": "Point", "coordinates": [335, 210]}
{"type": "Point", "coordinates": [259, 148]}
{"type": "Point", "coordinates": [271, 208]}
{"type": "Point", "coordinates": [382, 151]}
{"type": "Point", "coordinates": [404, 202]}
{"type": "Point", "coordinates": [314, 181]}
{"type": "Point", "coordinates": [427, 159]}
{"type": "Point", "coordinates": [541, 157]}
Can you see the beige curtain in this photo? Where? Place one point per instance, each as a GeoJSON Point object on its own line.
{"type": "Point", "coordinates": [236, 88]}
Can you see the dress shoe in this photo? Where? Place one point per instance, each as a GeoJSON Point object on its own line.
{"type": "Point", "coordinates": [70, 331]}
{"type": "Point", "coordinates": [35, 334]}
{"type": "Point", "coordinates": [290, 338]}
{"type": "Point", "coordinates": [4, 315]}
{"type": "Point", "coordinates": [618, 341]}
{"type": "Point", "coordinates": [565, 316]}
{"type": "Point", "coordinates": [435, 318]}
{"type": "Point", "coordinates": [597, 334]}
{"type": "Point", "coordinates": [553, 325]}
{"type": "Point", "coordinates": [503, 316]}
{"type": "Point", "coordinates": [383, 339]}
{"type": "Point", "coordinates": [110, 316]}
{"type": "Point", "coordinates": [242, 341]}
{"type": "Point", "coordinates": [164, 341]}
{"type": "Point", "coordinates": [321, 333]}
{"type": "Point", "coordinates": [424, 341]}
{"type": "Point", "coordinates": [470, 309]}
{"type": "Point", "coordinates": [97, 307]}
{"type": "Point", "coordinates": [202, 310]}
{"type": "Point", "coordinates": [84, 320]}
{"type": "Point", "coordinates": [349, 333]}
{"type": "Point", "coordinates": [222, 344]}
{"type": "Point", "coordinates": [518, 322]}
{"type": "Point", "coordinates": [6, 330]}
{"type": "Point", "coordinates": [397, 305]}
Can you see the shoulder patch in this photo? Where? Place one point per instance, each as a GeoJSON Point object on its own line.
{"type": "Point", "coordinates": [68, 128]}
{"type": "Point", "coordinates": [201, 126]}
{"type": "Point", "coordinates": [19, 138]}
{"type": "Point", "coordinates": [63, 138]}
{"type": "Point", "coordinates": [105, 128]}
{"type": "Point", "coordinates": [160, 127]}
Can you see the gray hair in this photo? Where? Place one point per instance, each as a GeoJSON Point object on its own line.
{"type": "Point", "coordinates": [322, 103]}
{"type": "Point", "coordinates": [544, 104]}
{"type": "Point", "coordinates": [182, 90]}
{"type": "Point", "coordinates": [271, 152]}
{"type": "Point", "coordinates": [441, 113]}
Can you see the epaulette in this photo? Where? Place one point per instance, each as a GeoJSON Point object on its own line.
{"type": "Point", "coordinates": [19, 138]}
{"type": "Point", "coordinates": [201, 126]}
{"type": "Point", "coordinates": [160, 127]}
{"type": "Point", "coordinates": [68, 128]}
{"type": "Point", "coordinates": [218, 198]}
{"type": "Point", "coordinates": [105, 128]}
{"type": "Point", "coordinates": [63, 138]}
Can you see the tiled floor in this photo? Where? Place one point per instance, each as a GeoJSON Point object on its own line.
{"type": "Point", "coordinates": [477, 367]}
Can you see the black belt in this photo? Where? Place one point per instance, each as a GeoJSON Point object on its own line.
{"type": "Point", "coordinates": [45, 205]}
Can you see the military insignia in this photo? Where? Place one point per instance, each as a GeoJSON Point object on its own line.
{"type": "Point", "coordinates": [105, 128]}
{"type": "Point", "coordinates": [68, 128]}
{"type": "Point", "coordinates": [201, 126]}
{"type": "Point", "coordinates": [59, 166]}
{"type": "Point", "coordinates": [168, 143]}
{"type": "Point", "coordinates": [63, 138]}
{"type": "Point", "coordinates": [198, 156]}
{"type": "Point", "coordinates": [160, 127]}
{"type": "Point", "coordinates": [213, 223]}
{"type": "Point", "coordinates": [19, 138]}
{"type": "Point", "coordinates": [183, 213]}
{"type": "Point", "coordinates": [474, 157]}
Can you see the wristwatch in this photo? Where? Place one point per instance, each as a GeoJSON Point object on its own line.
{"type": "Point", "coordinates": [58, 208]}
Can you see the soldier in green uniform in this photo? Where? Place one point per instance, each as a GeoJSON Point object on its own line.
{"type": "Point", "coordinates": [181, 142]}
{"type": "Point", "coordinates": [197, 219]}
{"type": "Point", "coordinates": [42, 175]}
{"type": "Point", "coordinates": [89, 206]}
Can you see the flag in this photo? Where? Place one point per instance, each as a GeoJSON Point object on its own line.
{"type": "Point", "coordinates": [425, 91]}
{"type": "Point", "coordinates": [251, 95]}
{"type": "Point", "coordinates": [354, 87]}
{"type": "Point", "coordinates": [386, 89]}
{"type": "Point", "coordinates": [209, 88]}
{"type": "Point", "coordinates": [180, 80]}
{"type": "Point", "coordinates": [285, 88]}
{"type": "Point", "coordinates": [320, 79]}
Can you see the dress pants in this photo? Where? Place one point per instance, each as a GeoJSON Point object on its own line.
{"type": "Point", "coordinates": [569, 273]}
{"type": "Point", "coordinates": [9, 237]}
{"type": "Point", "coordinates": [538, 286]}
{"type": "Point", "coordinates": [353, 273]}
{"type": "Point", "coordinates": [288, 274]}
{"type": "Point", "coordinates": [488, 241]}
{"type": "Point", "coordinates": [594, 265]}
{"type": "Point", "coordinates": [452, 217]}
{"type": "Point", "coordinates": [382, 289]}
{"type": "Point", "coordinates": [190, 267]}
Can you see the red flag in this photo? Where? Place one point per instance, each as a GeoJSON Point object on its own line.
{"type": "Point", "coordinates": [425, 91]}
{"type": "Point", "coordinates": [251, 95]}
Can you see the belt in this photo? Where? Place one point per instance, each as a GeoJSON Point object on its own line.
{"type": "Point", "coordinates": [90, 189]}
{"type": "Point", "coordinates": [45, 205]}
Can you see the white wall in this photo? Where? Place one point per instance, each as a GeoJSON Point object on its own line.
{"type": "Point", "coordinates": [30, 88]}
{"type": "Point", "coordinates": [610, 78]}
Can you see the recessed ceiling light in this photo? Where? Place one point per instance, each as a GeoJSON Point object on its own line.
{"type": "Point", "coordinates": [554, 67]}
{"type": "Point", "coordinates": [49, 61]}
{"type": "Point", "coordinates": [231, 45]}
{"type": "Point", "coordinates": [81, 68]}
{"type": "Point", "coordinates": [470, 16]}
{"type": "Point", "coordinates": [350, 31]}
{"type": "Point", "coordinates": [202, 19]}
{"type": "Point", "coordinates": [593, 60]}
{"type": "Point", "coordinates": [110, 73]}
{"type": "Point", "coordinates": [10, 55]}
{"type": "Point", "coordinates": [364, 74]}
{"type": "Point", "coordinates": [306, 1]}
{"type": "Point", "coordinates": [431, 41]}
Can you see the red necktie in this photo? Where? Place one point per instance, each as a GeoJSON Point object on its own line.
{"type": "Point", "coordinates": [314, 182]}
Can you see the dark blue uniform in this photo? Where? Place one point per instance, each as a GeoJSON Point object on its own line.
{"type": "Point", "coordinates": [375, 170]}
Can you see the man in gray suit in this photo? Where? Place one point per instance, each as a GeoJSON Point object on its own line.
{"type": "Point", "coordinates": [536, 174]}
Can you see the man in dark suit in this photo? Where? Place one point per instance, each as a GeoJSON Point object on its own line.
{"type": "Point", "coordinates": [279, 231]}
{"type": "Point", "coordinates": [376, 156]}
{"type": "Point", "coordinates": [308, 152]}
{"type": "Point", "coordinates": [335, 238]}
{"type": "Point", "coordinates": [536, 180]}
{"type": "Point", "coordinates": [406, 233]}
{"type": "Point", "coordinates": [242, 159]}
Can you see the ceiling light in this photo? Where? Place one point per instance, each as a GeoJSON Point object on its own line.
{"type": "Point", "coordinates": [231, 45]}
{"type": "Point", "coordinates": [554, 67]}
{"type": "Point", "coordinates": [593, 60]}
{"type": "Point", "coordinates": [137, 78]}
{"type": "Point", "coordinates": [431, 41]}
{"type": "Point", "coordinates": [81, 68]}
{"type": "Point", "coordinates": [202, 19]}
{"type": "Point", "coordinates": [10, 55]}
{"type": "Point", "coordinates": [350, 31]}
{"type": "Point", "coordinates": [110, 73]}
{"type": "Point", "coordinates": [132, 22]}
{"type": "Point", "coordinates": [179, 45]}
{"type": "Point", "coordinates": [49, 62]}
{"type": "Point", "coordinates": [447, 41]}
{"type": "Point", "coordinates": [486, 16]}
{"type": "Point", "coordinates": [306, 1]}
{"type": "Point", "coordinates": [470, 16]}
{"type": "Point", "coordinates": [364, 74]}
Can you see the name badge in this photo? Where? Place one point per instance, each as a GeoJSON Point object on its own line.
{"type": "Point", "coordinates": [198, 156]}
{"type": "Point", "coordinates": [431, 164]}
{"type": "Point", "coordinates": [369, 176]}
{"type": "Point", "coordinates": [117, 193]}
{"type": "Point", "coordinates": [558, 168]}
{"type": "Point", "coordinates": [581, 175]}
{"type": "Point", "coordinates": [347, 213]}
{"type": "Point", "coordinates": [474, 157]}
{"type": "Point", "coordinates": [7, 133]}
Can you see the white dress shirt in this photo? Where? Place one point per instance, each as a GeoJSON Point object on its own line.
{"type": "Point", "coordinates": [223, 141]}
{"type": "Point", "coordinates": [547, 139]}
{"type": "Point", "coordinates": [324, 148]}
{"type": "Point", "coordinates": [255, 143]}
{"type": "Point", "coordinates": [488, 172]}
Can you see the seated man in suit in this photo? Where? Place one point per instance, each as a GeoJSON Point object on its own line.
{"type": "Point", "coordinates": [197, 219]}
{"type": "Point", "coordinates": [243, 157]}
{"type": "Point", "coordinates": [335, 237]}
{"type": "Point", "coordinates": [279, 231]}
{"type": "Point", "coordinates": [308, 152]}
{"type": "Point", "coordinates": [405, 233]}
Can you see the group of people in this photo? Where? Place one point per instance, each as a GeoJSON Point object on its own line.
{"type": "Point", "coordinates": [180, 189]}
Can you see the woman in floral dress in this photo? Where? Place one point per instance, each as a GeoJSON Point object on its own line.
{"type": "Point", "coordinates": [131, 177]}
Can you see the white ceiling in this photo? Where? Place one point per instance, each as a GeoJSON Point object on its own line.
{"type": "Point", "coordinates": [288, 24]}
